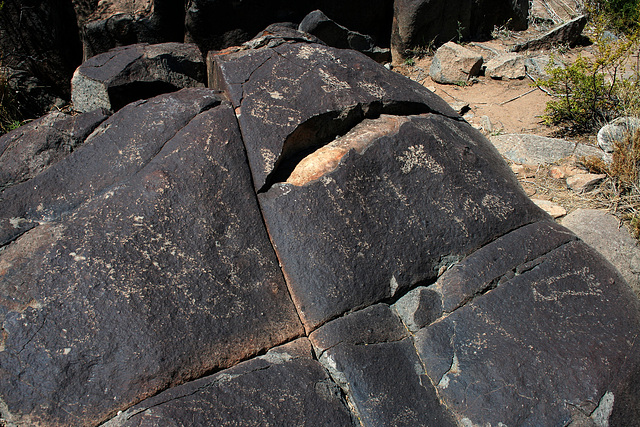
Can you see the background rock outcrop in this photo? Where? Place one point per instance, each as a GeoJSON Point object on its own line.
{"type": "Point", "coordinates": [41, 39]}
{"type": "Point", "coordinates": [424, 22]}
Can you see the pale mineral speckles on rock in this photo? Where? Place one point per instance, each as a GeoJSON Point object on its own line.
{"type": "Point", "coordinates": [417, 157]}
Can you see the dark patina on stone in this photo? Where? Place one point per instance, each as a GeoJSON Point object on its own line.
{"type": "Point", "coordinates": [286, 386]}
{"type": "Point", "coordinates": [151, 283]}
{"type": "Point", "coordinates": [388, 219]}
{"type": "Point", "coordinates": [291, 97]}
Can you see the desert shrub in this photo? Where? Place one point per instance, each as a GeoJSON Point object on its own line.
{"type": "Point", "coordinates": [624, 174]}
{"type": "Point", "coordinates": [593, 90]}
{"type": "Point", "coordinates": [626, 160]}
{"type": "Point", "coordinates": [620, 16]}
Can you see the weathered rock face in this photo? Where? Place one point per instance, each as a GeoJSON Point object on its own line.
{"type": "Point", "coordinates": [418, 23]}
{"type": "Point", "coordinates": [252, 394]}
{"type": "Point", "coordinates": [28, 150]}
{"type": "Point", "coordinates": [122, 23]}
{"type": "Point", "coordinates": [170, 266]}
{"type": "Point", "coordinates": [305, 95]}
{"type": "Point", "coordinates": [387, 240]}
{"type": "Point", "coordinates": [602, 231]}
{"type": "Point", "coordinates": [508, 66]}
{"type": "Point", "coordinates": [134, 290]}
{"type": "Point", "coordinates": [114, 79]}
{"type": "Point", "coordinates": [567, 33]}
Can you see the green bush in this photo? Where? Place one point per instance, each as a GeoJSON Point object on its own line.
{"type": "Point", "coordinates": [593, 90]}
{"type": "Point", "coordinates": [620, 16]}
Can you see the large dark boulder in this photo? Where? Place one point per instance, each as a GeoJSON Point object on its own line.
{"type": "Point", "coordinates": [116, 78]}
{"type": "Point", "coordinates": [420, 23]}
{"type": "Point", "coordinates": [324, 243]}
{"type": "Point", "coordinates": [292, 97]}
{"type": "Point", "coordinates": [162, 275]}
{"type": "Point", "coordinates": [293, 119]}
{"type": "Point", "coordinates": [335, 35]}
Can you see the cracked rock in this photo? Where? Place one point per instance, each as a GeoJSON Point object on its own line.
{"type": "Point", "coordinates": [379, 371]}
{"type": "Point", "coordinates": [528, 352]}
{"type": "Point", "coordinates": [298, 96]}
{"type": "Point", "coordinates": [117, 149]}
{"type": "Point", "coordinates": [165, 275]}
{"type": "Point", "coordinates": [295, 390]}
{"type": "Point", "coordinates": [30, 149]}
{"type": "Point", "coordinates": [383, 220]}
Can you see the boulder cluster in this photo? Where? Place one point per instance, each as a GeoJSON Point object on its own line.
{"type": "Point", "coordinates": [43, 42]}
{"type": "Point", "coordinates": [289, 233]}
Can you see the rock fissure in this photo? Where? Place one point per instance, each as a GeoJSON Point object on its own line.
{"type": "Point", "coordinates": [340, 128]}
{"type": "Point", "coordinates": [217, 381]}
{"type": "Point", "coordinates": [264, 223]}
{"type": "Point", "coordinates": [249, 78]}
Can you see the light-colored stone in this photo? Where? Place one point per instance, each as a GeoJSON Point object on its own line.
{"type": "Point", "coordinates": [536, 150]}
{"type": "Point", "coordinates": [460, 107]}
{"type": "Point", "coordinates": [537, 65]}
{"type": "Point", "coordinates": [553, 209]}
{"type": "Point", "coordinates": [604, 232]}
{"type": "Point", "coordinates": [532, 149]}
{"type": "Point", "coordinates": [507, 66]}
{"type": "Point", "coordinates": [584, 182]}
{"type": "Point", "coordinates": [555, 11]}
{"type": "Point", "coordinates": [616, 131]}
{"type": "Point", "coordinates": [487, 126]}
{"type": "Point", "coordinates": [454, 64]}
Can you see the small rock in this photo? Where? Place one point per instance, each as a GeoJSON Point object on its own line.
{"type": "Point", "coordinates": [508, 66]}
{"type": "Point", "coordinates": [564, 34]}
{"type": "Point", "coordinates": [584, 182]}
{"type": "Point", "coordinates": [454, 64]}
{"type": "Point", "coordinates": [487, 127]}
{"type": "Point", "coordinates": [460, 107]}
{"type": "Point", "coordinates": [616, 131]}
{"type": "Point", "coordinates": [517, 169]}
{"type": "Point", "coordinates": [557, 172]}
{"type": "Point", "coordinates": [603, 231]}
{"type": "Point", "coordinates": [555, 210]}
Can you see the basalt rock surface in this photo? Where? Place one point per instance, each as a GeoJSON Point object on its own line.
{"type": "Point", "coordinates": [321, 243]}
{"type": "Point", "coordinates": [122, 75]}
